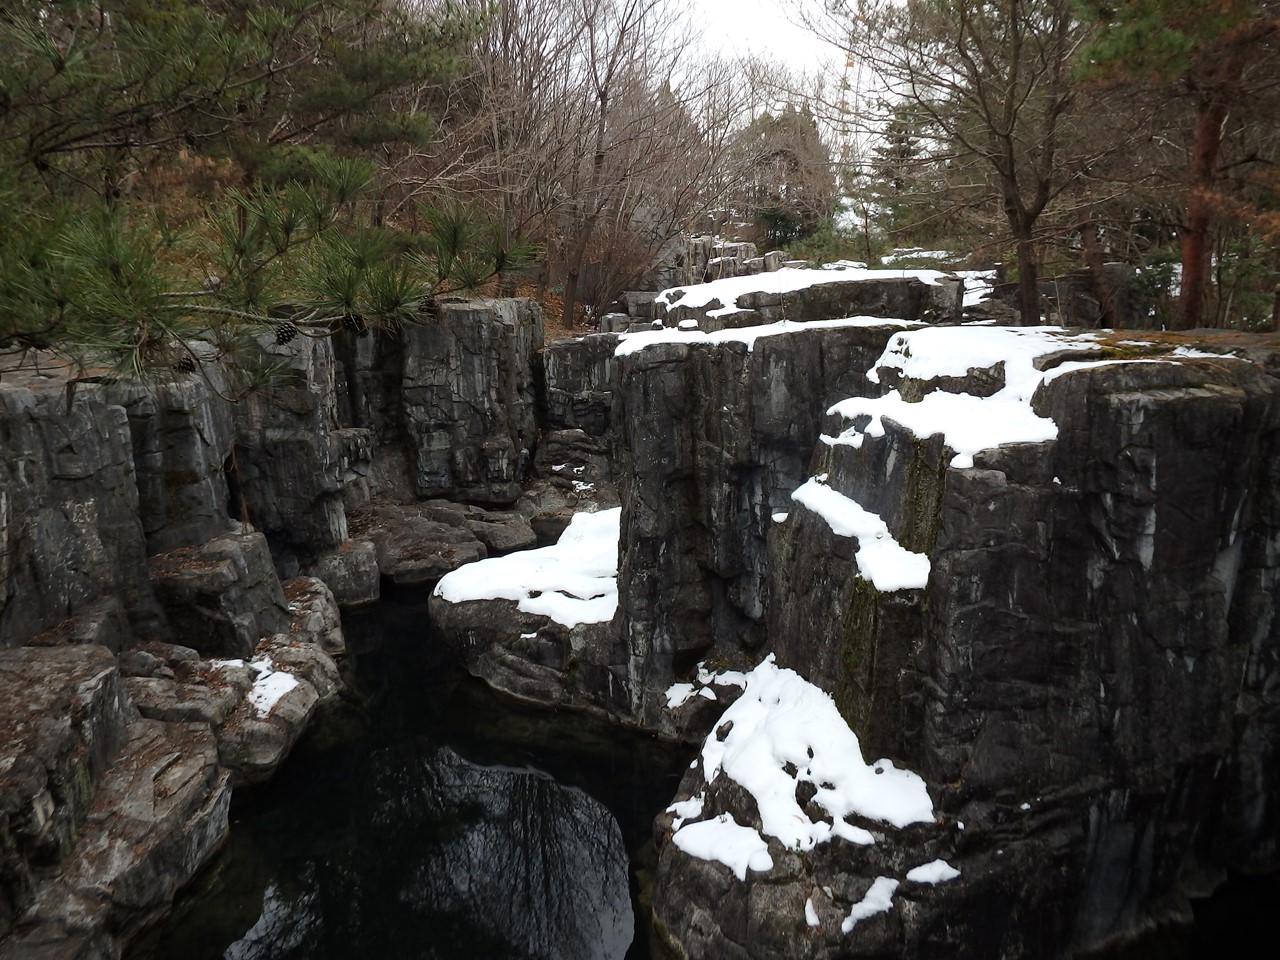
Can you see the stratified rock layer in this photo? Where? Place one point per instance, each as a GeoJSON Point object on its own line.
{"type": "Point", "coordinates": [713, 439]}
{"type": "Point", "coordinates": [1087, 682]}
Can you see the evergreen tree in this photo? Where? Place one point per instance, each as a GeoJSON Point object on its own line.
{"type": "Point", "coordinates": [99, 99]}
{"type": "Point", "coordinates": [1218, 56]}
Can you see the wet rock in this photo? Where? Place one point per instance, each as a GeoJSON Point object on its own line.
{"type": "Point", "coordinates": [223, 595]}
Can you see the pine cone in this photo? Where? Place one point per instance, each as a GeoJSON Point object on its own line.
{"type": "Point", "coordinates": [286, 330]}
{"type": "Point", "coordinates": [355, 324]}
{"type": "Point", "coordinates": [184, 365]}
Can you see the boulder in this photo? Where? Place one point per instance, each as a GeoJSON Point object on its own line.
{"type": "Point", "coordinates": [222, 596]}
{"type": "Point", "coordinates": [819, 295]}
{"type": "Point", "coordinates": [414, 547]}
{"type": "Point", "coordinates": [350, 571]}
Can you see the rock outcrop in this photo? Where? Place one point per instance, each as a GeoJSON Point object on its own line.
{"type": "Point", "coordinates": [72, 538]}
{"type": "Point", "coordinates": [801, 296]}
{"type": "Point", "coordinates": [712, 440]}
{"type": "Point", "coordinates": [1085, 677]}
{"type": "Point", "coordinates": [468, 399]}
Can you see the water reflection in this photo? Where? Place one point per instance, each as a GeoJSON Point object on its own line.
{"type": "Point", "coordinates": [453, 856]}
{"type": "Point", "coordinates": [418, 823]}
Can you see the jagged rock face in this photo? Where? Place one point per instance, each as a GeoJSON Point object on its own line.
{"type": "Point", "coordinates": [223, 595]}
{"type": "Point", "coordinates": [468, 398]}
{"type": "Point", "coordinates": [182, 435]}
{"type": "Point", "coordinates": [287, 471]}
{"type": "Point", "coordinates": [73, 718]}
{"type": "Point", "coordinates": [579, 374]}
{"type": "Point", "coordinates": [1087, 681]}
{"type": "Point", "coordinates": [70, 528]}
{"type": "Point", "coordinates": [713, 438]}
{"type": "Point", "coordinates": [903, 298]}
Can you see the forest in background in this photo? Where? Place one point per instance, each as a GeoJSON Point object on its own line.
{"type": "Point", "coordinates": [181, 177]}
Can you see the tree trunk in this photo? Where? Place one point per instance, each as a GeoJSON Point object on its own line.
{"type": "Point", "coordinates": [1102, 289]}
{"type": "Point", "coordinates": [1028, 284]}
{"type": "Point", "coordinates": [1195, 227]}
{"type": "Point", "coordinates": [577, 252]}
{"type": "Point", "coordinates": [1211, 118]}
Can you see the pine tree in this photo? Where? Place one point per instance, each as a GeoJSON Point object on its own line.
{"type": "Point", "coordinates": [1209, 54]}
{"type": "Point", "coordinates": [97, 98]}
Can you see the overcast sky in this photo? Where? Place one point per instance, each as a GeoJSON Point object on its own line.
{"type": "Point", "coordinates": [761, 27]}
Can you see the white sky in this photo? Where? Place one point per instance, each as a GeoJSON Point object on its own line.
{"type": "Point", "coordinates": [761, 27]}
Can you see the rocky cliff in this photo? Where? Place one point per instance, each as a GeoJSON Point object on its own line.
{"type": "Point", "coordinates": [157, 644]}
{"type": "Point", "coordinates": [1070, 636]}
{"type": "Point", "coordinates": [1034, 573]}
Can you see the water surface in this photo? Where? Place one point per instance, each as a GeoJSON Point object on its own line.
{"type": "Point", "coordinates": [427, 818]}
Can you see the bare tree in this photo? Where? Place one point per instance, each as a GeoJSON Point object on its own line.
{"type": "Point", "coordinates": [589, 129]}
{"type": "Point", "coordinates": [991, 82]}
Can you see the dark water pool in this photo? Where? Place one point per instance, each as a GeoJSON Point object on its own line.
{"type": "Point", "coordinates": [425, 818]}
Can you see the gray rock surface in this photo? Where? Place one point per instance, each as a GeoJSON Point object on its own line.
{"type": "Point", "coordinates": [580, 376]}
{"type": "Point", "coordinates": [902, 298]}
{"type": "Point", "coordinates": [713, 440]}
{"type": "Point", "coordinates": [1087, 682]}
{"type": "Point", "coordinates": [182, 434]}
{"type": "Point", "coordinates": [418, 543]}
{"type": "Point", "coordinates": [572, 472]}
{"type": "Point", "coordinates": [350, 570]}
{"type": "Point", "coordinates": [287, 472]}
{"type": "Point", "coordinates": [222, 596]}
{"type": "Point", "coordinates": [71, 532]}
{"type": "Point", "coordinates": [468, 399]}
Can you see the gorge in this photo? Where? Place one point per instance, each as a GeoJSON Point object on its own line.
{"type": "Point", "coordinates": [1033, 570]}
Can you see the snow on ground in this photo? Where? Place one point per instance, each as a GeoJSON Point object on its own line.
{"type": "Point", "coordinates": [631, 342]}
{"type": "Point", "coordinates": [935, 871]}
{"type": "Point", "coordinates": [573, 581]}
{"type": "Point", "coordinates": [269, 685]}
{"type": "Point", "coordinates": [968, 423]}
{"type": "Point", "coordinates": [915, 253]}
{"type": "Point", "coordinates": [783, 722]}
{"type": "Point", "coordinates": [879, 899]}
{"type": "Point", "coordinates": [787, 280]}
{"type": "Point", "coordinates": [724, 839]}
{"type": "Point", "coordinates": [881, 559]}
